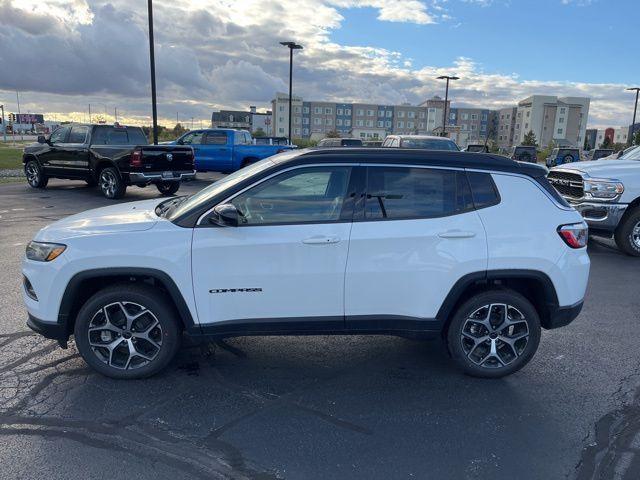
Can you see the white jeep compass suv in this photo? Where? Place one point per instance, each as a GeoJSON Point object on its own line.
{"type": "Point", "coordinates": [477, 249]}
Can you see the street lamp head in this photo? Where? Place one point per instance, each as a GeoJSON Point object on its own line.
{"type": "Point", "coordinates": [447, 77]}
{"type": "Point", "coordinates": [634, 89]}
{"type": "Point", "coordinates": [292, 45]}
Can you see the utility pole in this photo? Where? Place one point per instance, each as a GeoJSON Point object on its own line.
{"type": "Point", "coordinates": [635, 110]}
{"type": "Point", "coordinates": [291, 46]}
{"type": "Point", "coordinates": [446, 100]}
{"type": "Point", "coordinates": [18, 99]}
{"type": "Point", "coordinates": [115, 114]}
{"type": "Point", "coordinates": [152, 60]}
{"type": "Point", "coordinates": [89, 113]}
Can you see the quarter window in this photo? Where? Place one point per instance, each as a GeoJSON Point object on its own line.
{"type": "Point", "coordinates": [305, 195]}
{"type": "Point", "coordinates": [396, 193]}
{"type": "Point", "coordinates": [483, 189]}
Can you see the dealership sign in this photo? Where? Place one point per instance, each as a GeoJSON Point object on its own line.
{"type": "Point", "coordinates": [28, 118]}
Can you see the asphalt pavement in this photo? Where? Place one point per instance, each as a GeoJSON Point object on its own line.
{"type": "Point", "coordinates": [317, 407]}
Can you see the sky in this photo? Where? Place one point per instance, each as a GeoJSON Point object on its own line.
{"type": "Point", "coordinates": [63, 55]}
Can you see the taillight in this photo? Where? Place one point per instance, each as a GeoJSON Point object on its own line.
{"type": "Point", "coordinates": [136, 158]}
{"type": "Point", "coordinates": [574, 235]}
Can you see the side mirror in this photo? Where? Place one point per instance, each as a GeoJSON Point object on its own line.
{"type": "Point", "coordinates": [42, 139]}
{"type": "Point", "coordinates": [225, 215]}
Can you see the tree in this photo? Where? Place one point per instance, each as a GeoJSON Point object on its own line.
{"type": "Point", "coordinates": [259, 133]}
{"type": "Point", "coordinates": [530, 139]}
{"type": "Point", "coordinates": [179, 130]}
{"type": "Point", "coordinates": [333, 134]}
{"type": "Point", "coordinates": [545, 152]}
{"type": "Point", "coordinates": [606, 143]}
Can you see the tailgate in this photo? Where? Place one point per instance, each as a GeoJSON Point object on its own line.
{"type": "Point", "coordinates": [161, 158]}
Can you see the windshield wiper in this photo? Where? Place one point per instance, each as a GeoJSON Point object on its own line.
{"type": "Point", "coordinates": [164, 207]}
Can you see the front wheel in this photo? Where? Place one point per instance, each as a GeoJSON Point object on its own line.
{"type": "Point", "coordinates": [111, 184]}
{"type": "Point", "coordinates": [127, 331]}
{"type": "Point", "coordinates": [35, 177]}
{"type": "Point", "coordinates": [494, 334]}
{"type": "Point", "coordinates": [627, 234]}
{"type": "Point", "coordinates": [168, 188]}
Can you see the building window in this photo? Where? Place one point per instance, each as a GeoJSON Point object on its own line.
{"type": "Point", "coordinates": [381, 113]}
{"type": "Point", "coordinates": [296, 120]}
{"type": "Point", "coordinates": [360, 112]}
{"type": "Point", "coordinates": [328, 111]}
{"type": "Point", "coordinates": [452, 116]}
{"type": "Point", "coordinates": [389, 113]}
{"type": "Point", "coordinates": [369, 113]}
{"type": "Point", "coordinates": [338, 111]}
{"type": "Point", "coordinates": [347, 123]}
{"type": "Point", "coordinates": [526, 125]}
{"type": "Point", "coordinates": [347, 111]}
{"type": "Point", "coordinates": [305, 109]}
{"type": "Point", "coordinates": [464, 116]}
{"type": "Point", "coordinates": [410, 124]}
{"type": "Point", "coordinates": [421, 115]}
{"type": "Point", "coordinates": [328, 121]}
{"type": "Point", "coordinates": [339, 122]}
{"type": "Point", "coordinates": [305, 121]}
{"type": "Point", "coordinates": [561, 120]}
{"type": "Point", "coordinates": [401, 114]}
{"type": "Point", "coordinates": [474, 116]}
{"type": "Point", "coordinates": [281, 108]}
{"type": "Point", "coordinates": [559, 131]}
{"type": "Point", "coordinates": [411, 114]}
{"type": "Point", "coordinates": [380, 124]}
{"type": "Point", "coordinates": [317, 121]}
{"type": "Point", "coordinates": [369, 123]}
{"type": "Point", "coordinates": [400, 124]}
{"type": "Point", "coordinates": [387, 124]}
{"type": "Point", "coordinates": [296, 131]}
{"type": "Point", "coordinates": [360, 123]}
{"type": "Point", "coordinates": [473, 126]}
{"type": "Point", "coordinates": [305, 131]}
{"type": "Point", "coordinates": [562, 110]}
{"type": "Point", "coordinates": [528, 113]}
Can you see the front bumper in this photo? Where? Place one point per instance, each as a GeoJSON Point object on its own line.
{"type": "Point", "coordinates": [53, 330]}
{"type": "Point", "coordinates": [150, 177]}
{"type": "Point", "coordinates": [601, 216]}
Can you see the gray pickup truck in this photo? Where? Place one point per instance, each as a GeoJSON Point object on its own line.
{"type": "Point", "coordinates": [110, 156]}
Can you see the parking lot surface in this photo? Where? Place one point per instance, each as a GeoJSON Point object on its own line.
{"type": "Point", "coordinates": [317, 407]}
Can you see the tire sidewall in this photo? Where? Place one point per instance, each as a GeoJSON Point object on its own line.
{"type": "Point", "coordinates": [623, 235]}
{"type": "Point", "coordinates": [42, 179]}
{"type": "Point", "coordinates": [164, 312]}
{"type": "Point", "coordinates": [494, 296]}
{"type": "Point", "coordinates": [169, 188]}
{"type": "Point", "coordinates": [120, 187]}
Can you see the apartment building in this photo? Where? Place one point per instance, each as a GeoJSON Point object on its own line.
{"type": "Point", "coordinates": [506, 124]}
{"type": "Point", "coordinates": [280, 114]}
{"type": "Point", "coordinates": [561, 119]}
{"type": "Point", "coordinates": [475, 124]}
{"type": "Point", "coordinates": [251, 120]}
{"type": "Point", "coordinates": [596, 137]}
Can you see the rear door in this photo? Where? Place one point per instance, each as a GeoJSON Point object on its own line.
{"type": "Point", "coordinates": [77, 152]}
{"type": "Point", "coordinates": [214, 152]}
{"type": "Point", "coordinates": [415, 234]}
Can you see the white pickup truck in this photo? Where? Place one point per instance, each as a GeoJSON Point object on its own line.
{"type": "Point", "coordinates": [607, 194]}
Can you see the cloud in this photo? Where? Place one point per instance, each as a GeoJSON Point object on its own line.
{"type": "Point", "coordinates": [214, 54]}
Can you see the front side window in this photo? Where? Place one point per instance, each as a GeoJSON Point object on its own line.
{"type": "Point", "coordinates": [304, 195]}
{"type": "Point", "coordinates": [194, 138]}
{"type": "Point", "coordinates": [60, 135]}
{"type": "Point", "coordinates": [395, 193]}
{"type": "Point", "coordinates": [78, 134]}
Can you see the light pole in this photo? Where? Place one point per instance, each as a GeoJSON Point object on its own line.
{"type": "Point", "coordinates": [4, 126]}
{"type": "Point", "coordinates": [446, 99]}
{"type": "Point", "coordinates": [291, 46]}
{"type": "Point", "coordinates": [152, 60]}
{"type": "Point", "coordinates": [635, 110]}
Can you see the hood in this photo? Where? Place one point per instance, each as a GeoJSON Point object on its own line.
{"type": "Point", "coordinates": [124, 217]}
{"type": "Point", "coordinates": [604, 168]}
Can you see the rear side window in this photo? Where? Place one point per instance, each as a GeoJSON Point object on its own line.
{"type": "Point", "coordinates": [137, 136]}
{"type": "Point", "coordinates": [395, 193]}
{"type": "Point", "coordinates": [216, 138]}
{"type": "Point", "coordinates": [484, 191]}
{"type": "Point", "coordinates": [78, 134]}
{"type": "Point", "coordinates": [118, 136]}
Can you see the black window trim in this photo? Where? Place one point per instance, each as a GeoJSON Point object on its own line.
{"type": "Point", "coordinates": [359, 213]}
{"type": "Point", "coordinates": [349, 201]}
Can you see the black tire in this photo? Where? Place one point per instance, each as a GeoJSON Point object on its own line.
{"type": "Point", "coordinates": [476, 356]}
{"type": "Point", "coordinates": [152, 354]}
{"type": "Point", "coordinates": [168, 188]}
{"type": "Point", "coordinates": [35, 176]}
{"type": "Point", "coordinates": [627, 235]}
{"type": "Point", "coordinates": [111, 183]}
{"type": "Point", "coordinates": [567, 159]}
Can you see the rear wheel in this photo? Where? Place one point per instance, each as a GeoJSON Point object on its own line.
{"type": "Point", "coordinates": [494, 334]}
{"type": "Point", "coordinates": [111, 184]}
{"type": "Point", "coordinates": [168, 188]}
{"type": "Point", "coordinates": [627, 234]}
{"type": "Point", "coordinates": [567, 159]}
{"type": "Point", "coordinates": [127, 331]}
{"type": "Point", "coordinates": [35, 177]}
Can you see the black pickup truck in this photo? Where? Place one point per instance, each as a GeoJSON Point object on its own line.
{"type": "Point", "coordinates": [111, 156]}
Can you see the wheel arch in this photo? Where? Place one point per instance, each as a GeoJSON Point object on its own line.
{"type": "Point", "coordinates": [84, 284]}
{"type": "Point", "coordinates": [534, 285]}
{"type": "Point", "coordinates": [633, 205]}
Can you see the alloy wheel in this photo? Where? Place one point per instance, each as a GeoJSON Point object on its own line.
{"type": "Point", "coordinates": [494, 335]}
{"type": "Point", "coordinates": [108, 183]}
{"type": "Point", "coordinates": [635, 235]}
{"type": "Point", "coordinates": [33, 174]}
{"type": "Point", "coordinates": [125, 335]}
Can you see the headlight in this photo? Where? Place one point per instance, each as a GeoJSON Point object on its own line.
{"type": "Point", "coordinates": [44, 252]}
{"type": "Point", "coordinates": [605, 189]}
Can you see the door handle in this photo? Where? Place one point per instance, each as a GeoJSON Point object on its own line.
{"type": "Point", "coordinates": [456, 234]}
{"type": "Point", "coordinates": [321, 240]}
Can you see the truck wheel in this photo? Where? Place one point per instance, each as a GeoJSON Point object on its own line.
{"type": "Point", "coordinates": [127, 331]}
{"type": "Point", "coordinates": [627, 234]}
{"type": "Point", "coordinates": [35, 177]}
{"type": "Point", "coordinates": [494, 334]}
{"type": "Point", "coordinates": [567, 159]}
{"type": "Point", "coordinates": [111, 183]}
{"type": "Point", "coordinates": [168, 188]}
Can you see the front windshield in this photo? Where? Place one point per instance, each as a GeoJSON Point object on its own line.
{"type": "Point", "coordinates": [632, 155]}
{"type": "Point", "coordinates": [215, 188]}
{"type": "Point", "coordinates": [429, 144]}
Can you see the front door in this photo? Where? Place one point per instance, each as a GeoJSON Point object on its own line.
{"type": "Point", "coordinates": [52, 160]}
{"type": "Point", "coordinates": [283, 267]}
{"type": "Point", "coordinates": [414, 235]}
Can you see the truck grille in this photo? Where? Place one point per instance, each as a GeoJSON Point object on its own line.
{"type": "Point", "coordinates": [567, 184]}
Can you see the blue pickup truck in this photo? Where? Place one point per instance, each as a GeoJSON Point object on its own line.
{"type": "Point", "coordinates": [225, 150]}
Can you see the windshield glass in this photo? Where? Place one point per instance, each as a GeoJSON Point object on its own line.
{"type": "Point", "coordinates": [215, 188]}
{"type": "Point", "coordinates": [429, 144]}
{"type": "Point", "coordinates": [632, 155]}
